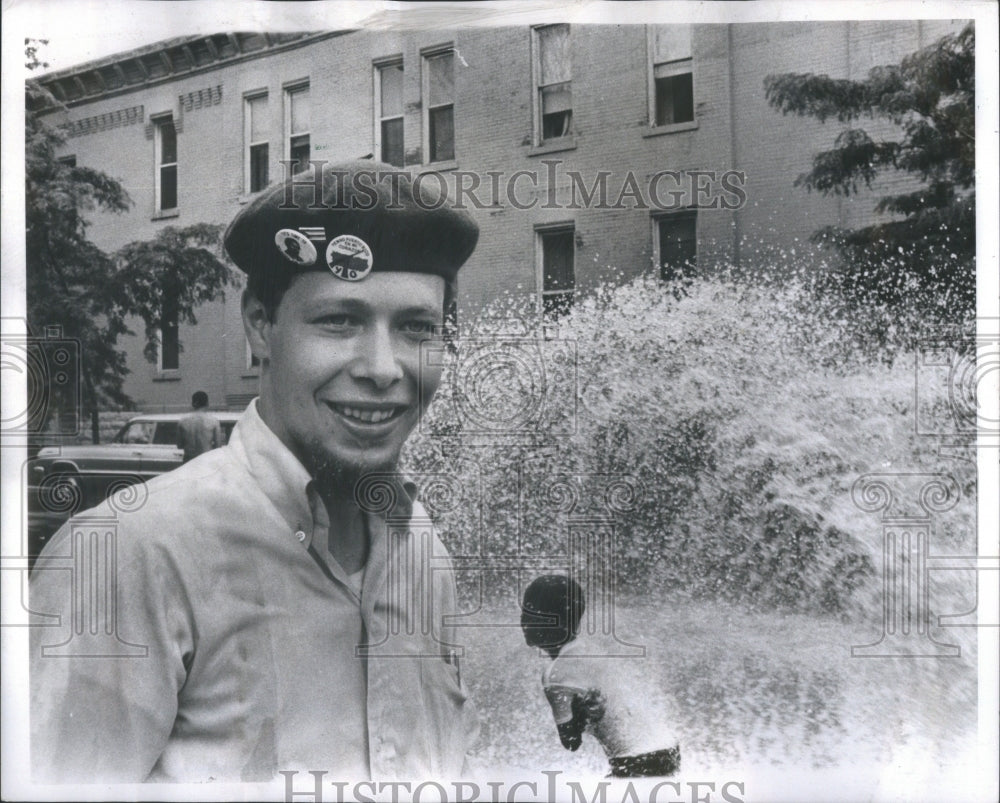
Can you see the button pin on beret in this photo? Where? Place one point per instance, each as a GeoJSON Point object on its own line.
{"type": "Point", "coordinates": [295, 246]}
{"type": "Point", "coordinates": [363, 216]}
{"type": "Point", "coordinates": [349, 257]}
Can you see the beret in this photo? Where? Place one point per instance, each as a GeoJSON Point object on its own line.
{"type": "Point", "coordinates": [351, 219]}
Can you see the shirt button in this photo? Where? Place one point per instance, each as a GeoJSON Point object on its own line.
{"type": "Point", "coordinates": [301, 536]}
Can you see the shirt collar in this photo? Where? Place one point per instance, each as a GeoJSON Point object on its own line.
{"type": "Point", "coordinates": [287, 483]}
{"type": "Point", "coordinates": [280, 475]}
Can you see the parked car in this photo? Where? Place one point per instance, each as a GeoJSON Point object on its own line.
{"type": "Point", "coordinates": [63, 480]}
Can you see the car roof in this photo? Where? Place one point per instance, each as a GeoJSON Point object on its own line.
{"type": "Point", "coordinates": [154, 417]}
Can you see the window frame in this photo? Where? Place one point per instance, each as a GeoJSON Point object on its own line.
{"type": "Point", "coordinates": [287, 91]}
{"type": "Point", "coordinates": [541, 232]}
{"type": "Point", "coordinates": [536, 89]}
{"type": "Point", "coordinates": [158, 123]}
{"type": "Point", "coordinates": [249, 144]}
{"type": "Point", "coordinates": [160, 367]}
{"type": "Point", "coordinates": [250, 368]}
{"type": "Point", "coordinates": [379, 118]}
{"type": "Point", "coordinates": [674, 67]}
{"type": "Point", "coordinates": [690, 213]}
{"type": "Point", "coordinates": [426, 56]}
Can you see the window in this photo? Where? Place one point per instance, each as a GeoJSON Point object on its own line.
{"type": "Point", "coordinates": [553, 71]}
{"type": "Point", "coordinates": [255, 136]}
{"type": "Point", "coordinates": [558, 279]}
{"type": "Point", "coordinates": [165, 137]}
{"type": "Point", "coordinates": [170, 344]}
{"type": "Point", "coordinates": [389, 102]}
{"type": "Point", "coordinates": [671, 79]}
{"type": "Point", "coordinates": [297, 148]}
{"type": "Point", "coordinates": [166, 433]}
{"type": "Point", "coordinates": [253, 362]}
{"type": "Point", "coordinates": [439, 106]}
{"type": "Point", "coordinates": [676, 244]}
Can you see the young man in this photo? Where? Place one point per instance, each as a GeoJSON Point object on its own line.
{"type": "Point", "coordinates": [266, 619]}
{"type": "Point", "coordinates": [200, 431]}
{"type": "Point", "coordinates": [590, 690]}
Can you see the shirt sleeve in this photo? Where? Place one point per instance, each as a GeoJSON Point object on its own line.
{"type": "Point", "coordinates": [104, 677]}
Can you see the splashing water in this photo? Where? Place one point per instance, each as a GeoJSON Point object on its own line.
{"type": "Point", "coordinates": [739, 415]}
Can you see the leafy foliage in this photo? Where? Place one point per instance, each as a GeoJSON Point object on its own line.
{"type": "Point", "coordinates": [929, 98]}
{"type": "Point", "coordinates": [91, 295]}
{"type": "Point", "coordinates": [178, 264]}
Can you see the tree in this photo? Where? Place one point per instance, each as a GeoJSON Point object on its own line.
{"type": "Point", "coordinates": [89, 294]}
{"type": "Point", "coordinates": [927, 253]}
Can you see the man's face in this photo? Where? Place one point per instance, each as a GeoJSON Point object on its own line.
{"type": "Point", "coordinates": [342, 377]}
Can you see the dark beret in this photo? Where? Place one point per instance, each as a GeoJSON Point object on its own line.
{"type": "Point", "coordinates": [351, 219]}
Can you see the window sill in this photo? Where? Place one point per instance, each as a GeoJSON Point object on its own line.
{"type": "Point", "coordinates": [166, 214]}
{"type": "Point", "coordinates": [660, 130]}
{"type": "Point", "coordinates": [168, 376]}
{"type": "Point", "coordinates": [250, 375]}
{"type": "Point", "coordinates": [438, 167]}
{"type": "Point", "coordinates": [553, 146]}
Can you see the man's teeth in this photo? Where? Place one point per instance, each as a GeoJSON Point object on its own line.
{"type": "Point", "coordinates": [368, 416]}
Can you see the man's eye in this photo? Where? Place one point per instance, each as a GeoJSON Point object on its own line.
{"type": "Point", "coordinates": [419, 327]}
{"type": "Point", "coordinates": [336, 321]}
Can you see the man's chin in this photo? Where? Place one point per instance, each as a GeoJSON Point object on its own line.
{"type": "Point", "coordinates": [342, 473]}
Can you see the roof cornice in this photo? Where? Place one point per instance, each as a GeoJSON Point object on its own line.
{"type": "Point", "coordinates": [162, 62]}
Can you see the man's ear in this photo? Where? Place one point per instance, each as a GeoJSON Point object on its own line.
{"type": "Point", "coordinates": [257, 326]}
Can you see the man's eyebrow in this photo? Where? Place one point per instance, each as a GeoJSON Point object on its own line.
{"type": "Point", "coordinates": [419, 309]}
{"type": "Point", "coordinates": [323, 304]}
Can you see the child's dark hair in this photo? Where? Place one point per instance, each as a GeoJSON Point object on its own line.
{"type": "Point", "coordinates": [556, 595]}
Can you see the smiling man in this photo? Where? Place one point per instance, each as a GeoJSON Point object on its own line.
{"type": "Point", "coordinates": [267, 621]}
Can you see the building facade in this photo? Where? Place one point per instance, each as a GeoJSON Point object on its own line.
{"type": "Point", "coordinates": [584, 152]}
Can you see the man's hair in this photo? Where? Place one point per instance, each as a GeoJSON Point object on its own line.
{"type": "Point", "coordinates": [556, 595]}
{"type": "Point", "coordinates": [199, 399]}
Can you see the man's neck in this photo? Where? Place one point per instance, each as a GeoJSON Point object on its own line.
{"type": "Point", "coordinates": [347, 535]}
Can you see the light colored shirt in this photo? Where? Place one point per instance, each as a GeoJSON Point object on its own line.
{"type": "Point", "coordinates": [636, 716]}
{"type": "Point", "coordinates": [198, 433]}
{"type": "Point", "coordinates": [238, 650]}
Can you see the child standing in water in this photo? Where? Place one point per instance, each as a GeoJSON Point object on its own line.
{"type": "Point", "coordinates": [589, 689]}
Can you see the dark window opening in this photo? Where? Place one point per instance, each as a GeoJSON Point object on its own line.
{"type": "Point", "coordinates": [678, 245]}
{"type": "Point", "coordinates": [442, 133]}
{"type": "Point", "coordinates": [558, 275]}
{"type": "Point", "coordinates": [258, 167]}
{"type": "Point", "coordinates": [674, 99]}
{"type": "Point", "coordinates": [392, 142]}
{"type": "Point", "coordinates": [168, 164]}
{"type": "Point", "coordinates": [299, 153]}
{"type": "Point", "coordinates": [170, 344]}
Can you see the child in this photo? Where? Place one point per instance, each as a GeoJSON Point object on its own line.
{"type": "Point", "coordinates": [587, 688]}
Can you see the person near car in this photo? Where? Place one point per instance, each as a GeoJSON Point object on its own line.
{"type": "Point", "coordinates": [200, 431]}
{"type": "Point", "coordinates": [283, 603]}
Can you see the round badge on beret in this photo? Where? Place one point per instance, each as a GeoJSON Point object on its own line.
{"type": "Point", "coordinates": [295, 246]}
{"type": "Point", "coordinates": [349, 257]}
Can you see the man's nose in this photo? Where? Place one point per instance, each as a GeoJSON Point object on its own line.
{"type": "Point", "coordinates": [377, 360]}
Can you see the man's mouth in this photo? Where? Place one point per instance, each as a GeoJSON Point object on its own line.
{"type": "Point", "coordinates": [368, 414]}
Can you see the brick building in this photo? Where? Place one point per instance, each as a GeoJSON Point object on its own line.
{"type": "Point", "coordinates": [194, 126]}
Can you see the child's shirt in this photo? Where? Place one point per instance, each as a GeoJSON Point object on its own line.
{"type": "Point", "coordinates": [635, 720]}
